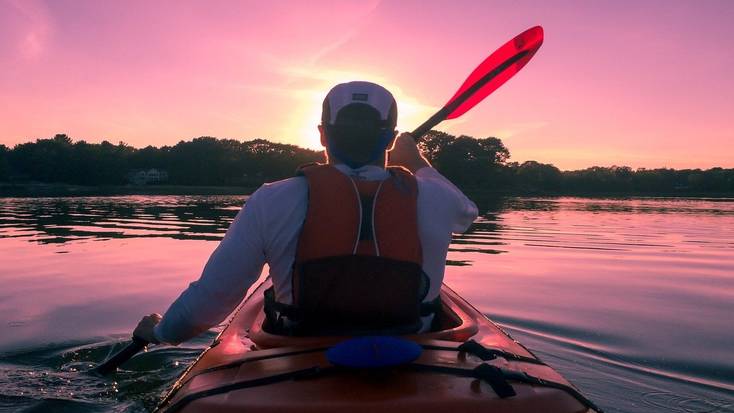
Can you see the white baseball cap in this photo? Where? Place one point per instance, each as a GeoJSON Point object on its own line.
{"type": "Point", "coordinates": [360, 93]}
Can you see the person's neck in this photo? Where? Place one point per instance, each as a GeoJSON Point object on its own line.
{"type": "Point", "coordinates": [380, 162]}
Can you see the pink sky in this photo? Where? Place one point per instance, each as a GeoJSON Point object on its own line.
{"type": "Point", "coordinates": [644, 84]}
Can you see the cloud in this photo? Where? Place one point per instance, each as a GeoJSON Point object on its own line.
{"type": "Point", "coordinates": [31, 20]}
{"type": "Point", "coordinates": [364, 14]}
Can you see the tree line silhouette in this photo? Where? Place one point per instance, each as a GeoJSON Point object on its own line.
{"type": "Point", "coordinates": [471, 163]}
{"type": "Point", "coordinates": [202, 161]}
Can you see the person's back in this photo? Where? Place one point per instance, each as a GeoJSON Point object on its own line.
{"type": "Point", "coordinates": [336, 238]}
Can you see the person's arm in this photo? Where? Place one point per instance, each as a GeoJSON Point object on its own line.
{"type": "Point", "coordinates": [462, 210]}
{"type": "Point", "coordinates": [233, 267]}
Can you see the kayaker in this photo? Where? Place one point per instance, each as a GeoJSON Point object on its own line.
{"type": "Point", "coordinates": [361, 239]}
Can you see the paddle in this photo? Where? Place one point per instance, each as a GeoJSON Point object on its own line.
{"type": "Point", "coordinates": [492, 73]}
{"type": "Point", "coordinates": [121, 356]}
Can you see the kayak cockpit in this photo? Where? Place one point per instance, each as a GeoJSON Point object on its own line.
{"type": "Point", "coordinates": [449, 324]}
{"type": "Point", "coordinates": [467, 364]}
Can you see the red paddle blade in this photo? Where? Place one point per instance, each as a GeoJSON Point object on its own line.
{"type": "Point", "coordinates": [497, 69]}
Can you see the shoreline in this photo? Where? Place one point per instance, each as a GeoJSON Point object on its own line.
{"type": "Point", "coordinates": [40, 190]}
{"type": "Point", "coordinates": [601, 194]}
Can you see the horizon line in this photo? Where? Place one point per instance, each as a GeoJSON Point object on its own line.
{"type": "Point", "coordinates": [244, 140]}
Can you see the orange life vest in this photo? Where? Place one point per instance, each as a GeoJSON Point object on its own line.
{"type": "Point", "coordinates": [358, 261]}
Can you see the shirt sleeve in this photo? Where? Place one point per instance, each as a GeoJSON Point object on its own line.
{"type": "Point", "coordinates": [232, 268]}
{"type": "Point", "coordinates": [460, 208]}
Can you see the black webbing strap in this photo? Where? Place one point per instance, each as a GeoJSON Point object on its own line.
{"type": "Point", "coordinates": [496, 377]}
{"type": "Point", "coordinates": [491, 373]}
{"type": "Point", "coordinates": [260, 358]}
{"type": "Point", "coordinates": [484, 353]}
{"type": "Point", "coordinates": [469, 346]}
{"type": "Point", "coordinates": [473, 347]}
{"type": "Point", "coordinates": [261, 381]}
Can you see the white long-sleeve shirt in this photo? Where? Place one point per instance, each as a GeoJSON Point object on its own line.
{"type": "Point", "coordinates": [266, 230]}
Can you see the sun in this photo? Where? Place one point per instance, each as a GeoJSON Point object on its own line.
{"type": "Point", "coordinates": [312, 118]}
{"type": "Point", "coordinates": [306, 112]}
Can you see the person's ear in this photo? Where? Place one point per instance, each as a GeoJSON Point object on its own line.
{"type": "Point", "coordinates": [322, 133]}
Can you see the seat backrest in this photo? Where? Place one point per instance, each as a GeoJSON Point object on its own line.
{"type": "Point", "coordinates": [360, 294]}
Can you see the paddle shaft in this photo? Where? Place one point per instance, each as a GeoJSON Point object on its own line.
{"type": "Point", "coordinates": [121, 356]}
{"type": "Point", "coordinates": [445, 111]}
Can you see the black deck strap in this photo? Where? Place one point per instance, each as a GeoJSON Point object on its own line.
{"type": "Point", "coordinates": [470, 346]}
{"type": "Point", "coordinates": [494, 377]}
{"type": "Point", "coordinates": [484, 353]}
{"type": "Point", "coordinates": [302, 374]}
{"type": "Point", "coordinates": [237, 363]}
{"type": "Point", "coordinates": [512, 375]}
{"type": "Point", "coordinates": [259, 358]}
{"type": "Point", "coordinates": [473, 347]}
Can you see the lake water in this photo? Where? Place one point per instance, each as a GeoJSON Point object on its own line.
{"type": "Point", "coordinates": [632, 300]}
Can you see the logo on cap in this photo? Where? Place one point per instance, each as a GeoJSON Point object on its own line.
{"type": "Point", "coordinates": [362, 97]}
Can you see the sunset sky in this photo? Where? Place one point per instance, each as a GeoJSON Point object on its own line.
{"type": "Point", "coordinates": [644, 84]}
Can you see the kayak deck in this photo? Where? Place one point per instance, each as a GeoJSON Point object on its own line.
{"type": "Point", "coordinates": [469, 364]}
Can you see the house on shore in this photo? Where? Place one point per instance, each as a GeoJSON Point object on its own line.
{"type": "Point", "coordinates": [147, 176]}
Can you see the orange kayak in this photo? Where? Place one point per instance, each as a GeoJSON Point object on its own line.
{"type": "Point", "coordinates": [467, 364]}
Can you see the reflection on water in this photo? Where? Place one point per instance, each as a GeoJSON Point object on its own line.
{"type": "Point", "coordinates": [630, 299]}
{"type": "Point", "coordinates": [61, 220]}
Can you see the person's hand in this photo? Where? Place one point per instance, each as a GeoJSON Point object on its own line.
{"type": "Point", "coordinates": [405, 153]}
{"type": "Point", "coordinates": [145, 327]}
